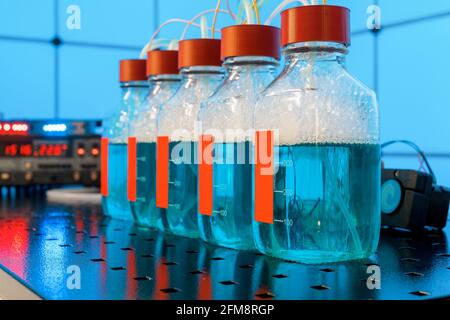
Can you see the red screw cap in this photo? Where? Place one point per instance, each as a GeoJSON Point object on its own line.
{"type": "Point", "coordinates": [162, 62]}
{"type": "Point", "coordinates": [322, 23]}
{"type": "Point", "coordinates": [132, 70]}
{"type": "Point", "coordinates": [199, 52]}
{"type": "Point", "coordinates": [250, 40]}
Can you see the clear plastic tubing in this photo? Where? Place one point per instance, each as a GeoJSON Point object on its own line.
{"type": "Point", "coordinates": [164, 80]}
{"type": "Point", "coordinates": [324, 187]}
{"type": "Point", "coordinates": [250, 54]}
{"type": "Point", "coordinates": [202, 72]}
{"type": "Point", "coordinates": [116, 130]}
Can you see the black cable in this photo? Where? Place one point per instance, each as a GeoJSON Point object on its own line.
{"type": "Point", "coordinates": [417, 149]}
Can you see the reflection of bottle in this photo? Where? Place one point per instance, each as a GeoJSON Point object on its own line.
{"type": "Point", "coordinates": [162, 69]}
{"type": "Point", "coordinates": [115, 234]}
{"type": "Point", "coordinates": [250, 53]}
{"type": "Point", "coordinates": [344, 282]}
{"type": "Point", "coordinates": [147, 254]}
{"type": "Point", "coordinates": [325, 204]}
{"type": "Point", "coordinates": [200, 64]}
{"type": "Point", "coordinates": [114, 143]}
{"type": "Point", "coordinates": [180, 275]}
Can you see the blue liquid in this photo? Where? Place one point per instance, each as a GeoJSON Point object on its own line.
{"type": "Point", "coordinates": [144, 209]}
{"type": "Point", "coordinates": [116, 204]}
{"type": "Point", "coordinates": [105, 206]}
{"type": "Point", "coordinates": [181, 216]}
{"type": "Point", "coordinates": [326, 204]}
{"type": "Point", "coordinates": [231, 223]}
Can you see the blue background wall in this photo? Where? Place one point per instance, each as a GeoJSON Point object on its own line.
{"type": "Point", "coordinates": [406, 62]}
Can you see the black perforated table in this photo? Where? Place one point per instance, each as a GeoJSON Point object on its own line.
{"type": "Point", "coordinates": [42, 244]}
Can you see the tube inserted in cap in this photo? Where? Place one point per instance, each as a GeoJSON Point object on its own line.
{"type": "Point", "coordinates": [322, 23]}
{"type": "Point", "coordinates": [132, 70]}
{"type": "Point", "coordinates": [250, 40]}
{"type": "Point", "coordinates": [199, 52]}
{"type": "Point", "coordinates": [162, 62]}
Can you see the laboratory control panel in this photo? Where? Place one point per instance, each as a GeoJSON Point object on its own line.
{"type": "Point", "coordinates": [39, 152]}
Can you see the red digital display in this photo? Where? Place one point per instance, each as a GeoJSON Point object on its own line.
{"type": "Point", "coordinates": [34, 149]}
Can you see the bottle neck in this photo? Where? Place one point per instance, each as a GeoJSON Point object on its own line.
{"type": "Point", "coordinates": [167, 83]}
{"type": "Point", "coordinates": [322, 53]}
{"type": "Point", "coordinates": [201, 72]}
{"type": "Point", "coordinates": [133, 87]}
{"type": "Point", "coordinates": [205, 77]}
{"type": "Point", "coordinates": [250, 64]}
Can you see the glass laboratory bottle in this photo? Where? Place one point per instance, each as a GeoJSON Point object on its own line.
{"type": "Point", "coordinates": [114, 187]}
{"type": "Point", "coordinates": [324, 203]}
{"type": "Point", "coordinates": [164, 80]}
{"type": "Point", "coordinates": [250, 54]}
{"type": "Point", "coordinates": [202, 72]}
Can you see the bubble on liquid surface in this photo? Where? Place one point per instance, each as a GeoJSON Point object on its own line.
{"type": "Point", "coordinates": [178, 116]}
{"type": "Point", "coordinates": [228, 114]}
{"type": "Point", "coordinates": [119, 127]}
{"type": "Point", "coordinates": [331, 109]}
{"type": "Point", "coordinates": [229, 122]}
{"type": "Point", "coordinates": [145, 126]}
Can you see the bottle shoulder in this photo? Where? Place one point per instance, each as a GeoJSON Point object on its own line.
{"type": "Point", "coordinates": [145, 123]}
{"type": "Point", "coordinates": [236, 93]}
{"type": "Point", "coordinates": [319, 107]}
{"type": "Point", "coordinates": [186, 102]}
{"type": "Point", "coordinates": [178, 115]}
{"type": "Point", "coordinates": [293, 81]}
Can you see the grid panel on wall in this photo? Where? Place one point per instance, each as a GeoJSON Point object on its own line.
{"type": "Point", "coordinates": [73, 73]}
{"type": "Point", "coordinates": [58, 89]}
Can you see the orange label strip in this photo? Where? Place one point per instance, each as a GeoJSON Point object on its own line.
{"type": "Point", "coordinates": [264, 176]}
{"type": "Point", "coordinates": [205, 175]}
{"type": "Point", "coordinates": [162, 172]}
{"type": "Point", "coordinates": [104, 166]}
{"type": "Point", "coordinates": [132, 170]}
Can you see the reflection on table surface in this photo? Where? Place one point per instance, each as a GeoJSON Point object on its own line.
{"type": "Point", "coordinates": [118, 260]}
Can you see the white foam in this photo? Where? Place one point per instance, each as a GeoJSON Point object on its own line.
{"type": "Point", "coordinates": [145, 124]}
{"type": "Point", "coordinates": [228, 114]}
{"type": "Point", "coordinates": [339, 111]}
{"type": "Point", "coordinates": [178, 116]}
{"type": "Point", "coordinates": [119, 127]}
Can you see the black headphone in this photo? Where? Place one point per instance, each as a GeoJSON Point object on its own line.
{"type": "Point", "coordinates": [411, 199]}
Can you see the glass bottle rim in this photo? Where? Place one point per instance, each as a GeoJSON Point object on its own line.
{"type": "Point", "coordinates": [316, 46]}
{"type": "Point", "coordinates": [134, 84]}
{"type": "Point", "coordinates": [165, 78]}
{"type": "Point", "coordinates": [250, 60]}
{"type": "Point", "coordinates": [202, 70]}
